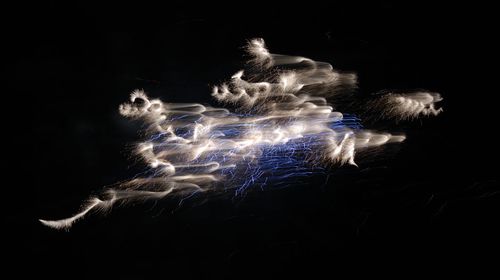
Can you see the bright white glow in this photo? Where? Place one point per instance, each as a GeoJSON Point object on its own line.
{"type": "Point", "coordinates": [191, 147]}
{"type": "Point", "coordinates": [407, 106]}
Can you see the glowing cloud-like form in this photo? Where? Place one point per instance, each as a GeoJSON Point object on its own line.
{"type": "Point", "coordinates": [283, 125]}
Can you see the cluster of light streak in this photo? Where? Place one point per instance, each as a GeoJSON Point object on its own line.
{"type": "Point", "coordinates": [283, 124]}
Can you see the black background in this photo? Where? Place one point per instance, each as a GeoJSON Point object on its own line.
{"type": "Point", "coordinates": [433, 204]}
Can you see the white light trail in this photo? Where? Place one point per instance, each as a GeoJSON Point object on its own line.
{"type": "Point", "coordinates": [283, 120]}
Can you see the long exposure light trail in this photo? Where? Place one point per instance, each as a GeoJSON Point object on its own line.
{"type": "Point", "coordinates": [284, 124]}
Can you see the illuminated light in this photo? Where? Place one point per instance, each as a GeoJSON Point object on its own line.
{"type": "Point", "coordinates": [284, 126]}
